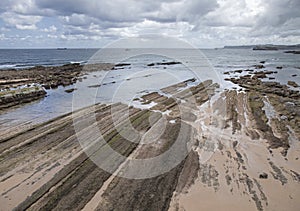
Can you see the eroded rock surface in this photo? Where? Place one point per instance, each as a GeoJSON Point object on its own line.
{"type": "Point", "coordinates": [241, 147]}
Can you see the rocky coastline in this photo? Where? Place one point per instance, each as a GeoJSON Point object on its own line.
{"type": "Point", "coordinates": [242, 145]}
{"type": "Point", "coordinates": [284, 100]}
{"type": "Point", "coordinates": [18, 87]}
{"type": "Point", "coordinates": [20, 96]}
{"type": "Point", "coordinates": [48, 77]}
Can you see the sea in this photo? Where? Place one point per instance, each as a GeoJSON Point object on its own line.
{"type": "Point", "coordinates": [146, 72]}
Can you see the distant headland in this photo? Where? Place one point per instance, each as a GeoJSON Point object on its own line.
{"type": "Point", "coordinates": [266, 47]}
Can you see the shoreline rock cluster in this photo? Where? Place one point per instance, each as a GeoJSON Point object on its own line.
{"type": "Point", "coordinates": [20, 96]}
{"type": "Point", "coordinates": [293, 52]}
{"type": "Point", "coordinates": [48, 77]}
{"type": "Point", "coordinates": [284, 100]}
{"type": "Point", "coordinates": [235, 150]}
{"type": "Point", "coordinates": [44, 78]}
{"type": "Point", "coordinates": [163, 63]}
{"type": "Point", "coordinates": [240, 146]}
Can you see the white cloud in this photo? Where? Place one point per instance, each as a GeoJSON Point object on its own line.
{"type": "Point", "coordinates": [2, 37]}
{"type": "Point", "coordinates": [21, 21]}
{"type": "Point", "coordinates": [26, 38]}
{"type": "Point", "coordinates": [51, 36]}
{"type": "Point", "coordinates": [51, 29]}
{"type": "Point", "coordinates": [23, 7]}
{"type": "Point", "coordinates": [26, 27]}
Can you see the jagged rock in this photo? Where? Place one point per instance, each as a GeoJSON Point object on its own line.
{"type": "Point", "coordinates": [122, 64]}
{"type": "Point", "coordinates": [50, 77]}
{"type": "Point", "coordinates": [235, 143]}
{"type": "Point", "coordinates": [46, 86]}
{"type": "Point", "coordinates": [293, 84]}
{"type": "Point", "coordinates": [293, 52]}
{"type": "Point", "coordinates": [259, 66]}
{"type": "Point", "coordinates": [263, 176]}
{"type": "Point", "coordinates": [238, 71]}
{"type": "Point", "coordinates": [70, 90]}
{"type": "Point", "coordinates": [163, 63]}
{"type": "Point", "coordinates": [16, 97]}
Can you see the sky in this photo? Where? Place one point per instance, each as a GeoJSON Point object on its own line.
{"type": "Point", "coordinates": [96, 23]}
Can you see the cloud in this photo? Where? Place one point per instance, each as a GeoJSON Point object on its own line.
{"type": "Point", "coordinates": [131, 11]}
{"type": "Point", "coordinates": [115, 11]}
{"type": "Point", "coordinates": [2, 37]}
{"type": "Point", "coordinates": [21, 21]}
{"type": "Point", "coordinates": [128, 18]}
{"type": "Point", "coordinates": [51, 29]}
{"type": "Point", "coordinates": [280, 18]}
{"type": "Point", "coordinates": [21, 14]}
{"type": "Point", "coordinates": [219, 22]}
{"type": "Point", "coordinates": [277, 13]}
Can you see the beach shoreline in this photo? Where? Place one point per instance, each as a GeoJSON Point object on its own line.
{"type": "Point", "coordinates": [242, 145]}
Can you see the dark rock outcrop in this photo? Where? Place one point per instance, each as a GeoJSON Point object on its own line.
{"type": "Point", "coordinates": [17, 97]}
{"type": "Point", "coordinates": [293, 84]}
{"type": "Point", "coordinates": [293, 52]}
{"type": "Point", "coordinates": [263, 176]}
{"type": "Point", "coordinates": [163, 63]}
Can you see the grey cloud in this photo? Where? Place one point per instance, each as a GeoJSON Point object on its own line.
{"type": "Point", "coordinates": [77, 20]}
{"type": "Point", "coordinates": [132, 10]}
{"type": "Point", "coordinates": [194, 10]}
{"type": "Point", "coordinates": [278, 12]}
{"type": "Point", "coordinates": [281, 18]}
{"type": "Point", "coordinates": [124, 13]}
{"type": "Point", "coordinates": [116, 11]}
{"type": "Point", "coordinates": [196, 19]}
{"type": "Point", "coordinates": [84, 21]}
